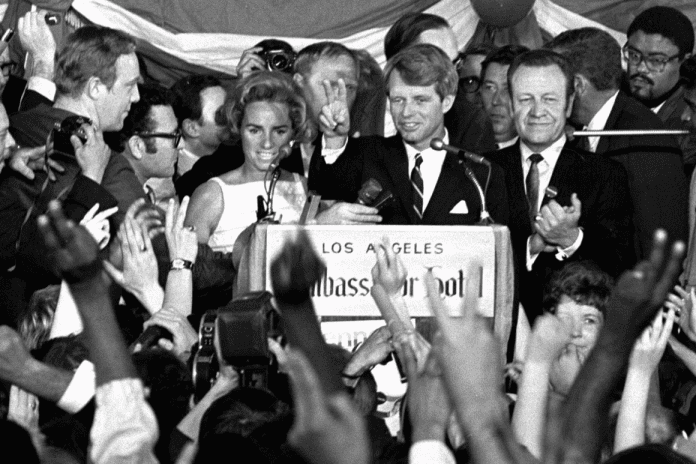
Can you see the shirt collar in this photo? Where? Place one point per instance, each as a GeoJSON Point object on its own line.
{"type": "Point", "coordinates": [550, 153]}
{"type": "Point", "coordinates": [599, 120]}
{"type": "Point", "coordinates": [411, 152]}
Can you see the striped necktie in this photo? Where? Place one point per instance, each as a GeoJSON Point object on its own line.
{"type": "Point", "coordinates": [417, 184]}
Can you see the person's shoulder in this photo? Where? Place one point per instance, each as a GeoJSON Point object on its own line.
{"type": "Point", "coordinates": [635, 115]}
{"type": "Point", "coordinates": [31, 127]}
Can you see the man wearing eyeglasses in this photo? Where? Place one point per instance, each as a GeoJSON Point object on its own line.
{"type": "Point", "coordinates": [150, 137]}
{"type": "Point", "coordinates": [659, 40]}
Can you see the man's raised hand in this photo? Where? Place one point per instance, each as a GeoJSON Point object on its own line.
{"type": "Point", "coordinates": [334, 118]}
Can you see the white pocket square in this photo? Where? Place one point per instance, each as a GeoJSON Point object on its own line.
{"type": "Point", "coordinates": [460, 208]}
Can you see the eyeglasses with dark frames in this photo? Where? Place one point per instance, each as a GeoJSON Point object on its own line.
{"type": "Point", "coordinates": [176, 135]}
{"type": "Point", "coordinates": [653, 63]}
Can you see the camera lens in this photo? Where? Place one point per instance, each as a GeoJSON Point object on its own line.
{"type": "Point", "coordinates": [279, 62]}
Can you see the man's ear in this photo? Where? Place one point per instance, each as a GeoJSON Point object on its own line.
{"type": "Point", "coordinates": [447, 103]}
{"type": "Point", "coordinates": [190, 128]}
{"type": "Point", "coordinates": [580, 84]}
{"type": "Point", "coordinates": [569, 105]}
{"type": "Point", "coordinates": [95, 88]}
{"type": "Point", "coordinates": [299, 79]}
{"type": "Point", "coordinates": [136, 145]}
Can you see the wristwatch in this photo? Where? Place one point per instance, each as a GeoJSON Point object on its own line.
{"type": "Point", "coordinates": [178, 264]}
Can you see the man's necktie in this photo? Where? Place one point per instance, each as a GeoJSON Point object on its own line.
{"type": "Point", "coordinates": [417, 183]}
{"type": "Point", "coordinates": [532, 183]}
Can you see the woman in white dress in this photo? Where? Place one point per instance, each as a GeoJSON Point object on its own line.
{"type": "Point", "coordinates": [267, 111]}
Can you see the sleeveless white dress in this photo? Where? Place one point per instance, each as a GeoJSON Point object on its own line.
{"type": "Point", "coordinates": [239, 208]}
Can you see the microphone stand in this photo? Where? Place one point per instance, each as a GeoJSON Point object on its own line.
{"type": "Point", "coordinates": [485, 219]}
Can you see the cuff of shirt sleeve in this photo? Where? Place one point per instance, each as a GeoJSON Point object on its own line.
{"type": "Point", "coordinates": [330, 155]}
{"type": "Point", "coordinates": [80, 390]}
{"type": "Point", "coordinates": [430, 451]}
{"type": "Point", "coordinates": [42, 86]}
{"type": "Point", "coordinates": [565, 253]}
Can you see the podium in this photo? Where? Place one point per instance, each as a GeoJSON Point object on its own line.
{"type": "Point", "coordinates": [343, 294]}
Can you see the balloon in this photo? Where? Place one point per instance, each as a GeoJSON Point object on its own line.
{"type": "Point", "coordinates": [502, 13]}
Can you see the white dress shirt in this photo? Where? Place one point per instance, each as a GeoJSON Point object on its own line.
{"type": "Point", "coordinates": [430, 167]}
{"type": "Point", "coordinates": [599, 121]}
{"type": "Point", "coordinates": [507, 143]}
{"type": "Point", "coordinates": [546, 167]}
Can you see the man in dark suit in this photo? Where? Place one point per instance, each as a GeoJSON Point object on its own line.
{"type": "Point", "coordinates": [429, 186]}
{"type": "Point", "coordinates": [657, 183]}
{"type": "Point", "coordinates": [589, 217]}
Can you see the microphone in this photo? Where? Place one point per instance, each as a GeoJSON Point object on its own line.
{"type": "Point", "coordinates": [369, 192]}
{"type": "Point", "coordinates": [373, 194]}
{"type": "Point", "coordinates": [438, 144]}
{"type": "Point", "coordinates": [283, 152]}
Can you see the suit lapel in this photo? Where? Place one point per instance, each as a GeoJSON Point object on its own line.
{"type": "Point", "coordinates": [517, 194]}
{"type": "Point", "coordinates": [396, 163]}
{"type": "Point", "coordinates": [614, 115]}
{"type": "Point", "coordinates": [449, 186]}
{"type": "Point", "coordinates": [564, 176]}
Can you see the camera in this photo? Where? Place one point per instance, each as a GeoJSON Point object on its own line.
{"type": "Point", "coordinates": [243, 328]}
{"type": "Point", "coordinates": [278, 59]}
{"type": "Point", "coordinates": [61, 133]}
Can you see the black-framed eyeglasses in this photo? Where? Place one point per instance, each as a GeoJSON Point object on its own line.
{"type": "Point", "coordinates": [176, 135]}
{"type": "Point", "coordinates": [653, 63]}
{"type": "Point", "coordinates": [470, 84]}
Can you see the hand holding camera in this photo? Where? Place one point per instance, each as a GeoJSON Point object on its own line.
{"type": "Point", "coordinates": [90, 150]}
{"type": "Point", "coordinates": [271, 55]}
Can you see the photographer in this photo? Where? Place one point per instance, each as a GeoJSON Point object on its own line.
{"type": "Point", "coordinates": [96, 77]}
{"type": "Point", "coordinates": [270, 54]}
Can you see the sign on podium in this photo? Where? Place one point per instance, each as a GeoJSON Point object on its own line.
{"type": "Point", "coordinates": [349, 255]}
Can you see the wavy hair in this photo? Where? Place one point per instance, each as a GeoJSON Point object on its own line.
{"type": "Point", "coordinates": [273, 87]}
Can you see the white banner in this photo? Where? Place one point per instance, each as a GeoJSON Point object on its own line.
{"type": "Point", "coordinates": [348, 252]}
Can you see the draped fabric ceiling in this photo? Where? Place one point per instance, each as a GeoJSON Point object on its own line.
{"type": "Point", "coordinates": [183, 36]}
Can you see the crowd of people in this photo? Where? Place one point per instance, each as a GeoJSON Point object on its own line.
{"type": "Point", "coordinates": [126, 206]}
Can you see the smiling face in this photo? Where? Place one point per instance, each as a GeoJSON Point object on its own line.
{"type": "Point", "coordinates": [585, 322]}
{"type": "Point", "coordinates": [114, 104]}
{"type": "Point", "coordinates": [540, 105]}
{"type": "Point", "coordinates": [418, 111]}
{"type": "Point", "coordinates": [496, 101]}
{"type": "Point", "coordinates": [644, 83]}
{"type": "Point", "coordinates": [266, 127]}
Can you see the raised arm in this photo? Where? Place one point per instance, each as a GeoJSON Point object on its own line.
{"type": "Point", "coordinates": [549, 337]}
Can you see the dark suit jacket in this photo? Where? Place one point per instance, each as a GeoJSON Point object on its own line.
{"type": "Point", "coordinates": [469, 126]}
{"type": "Point", "coordinates": [386, 161]}
{"type": "Point", "coordinates": [656, 180]}
{"type": "Point", "coordinates": [670, 113]}
{"type": "Point", "coordinates": [602, 188]}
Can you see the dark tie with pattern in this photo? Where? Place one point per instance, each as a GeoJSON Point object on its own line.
{"type": "Point", "coordinates": [532, 183]}
{"type": "Point", "coordinates": [417, 184]}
